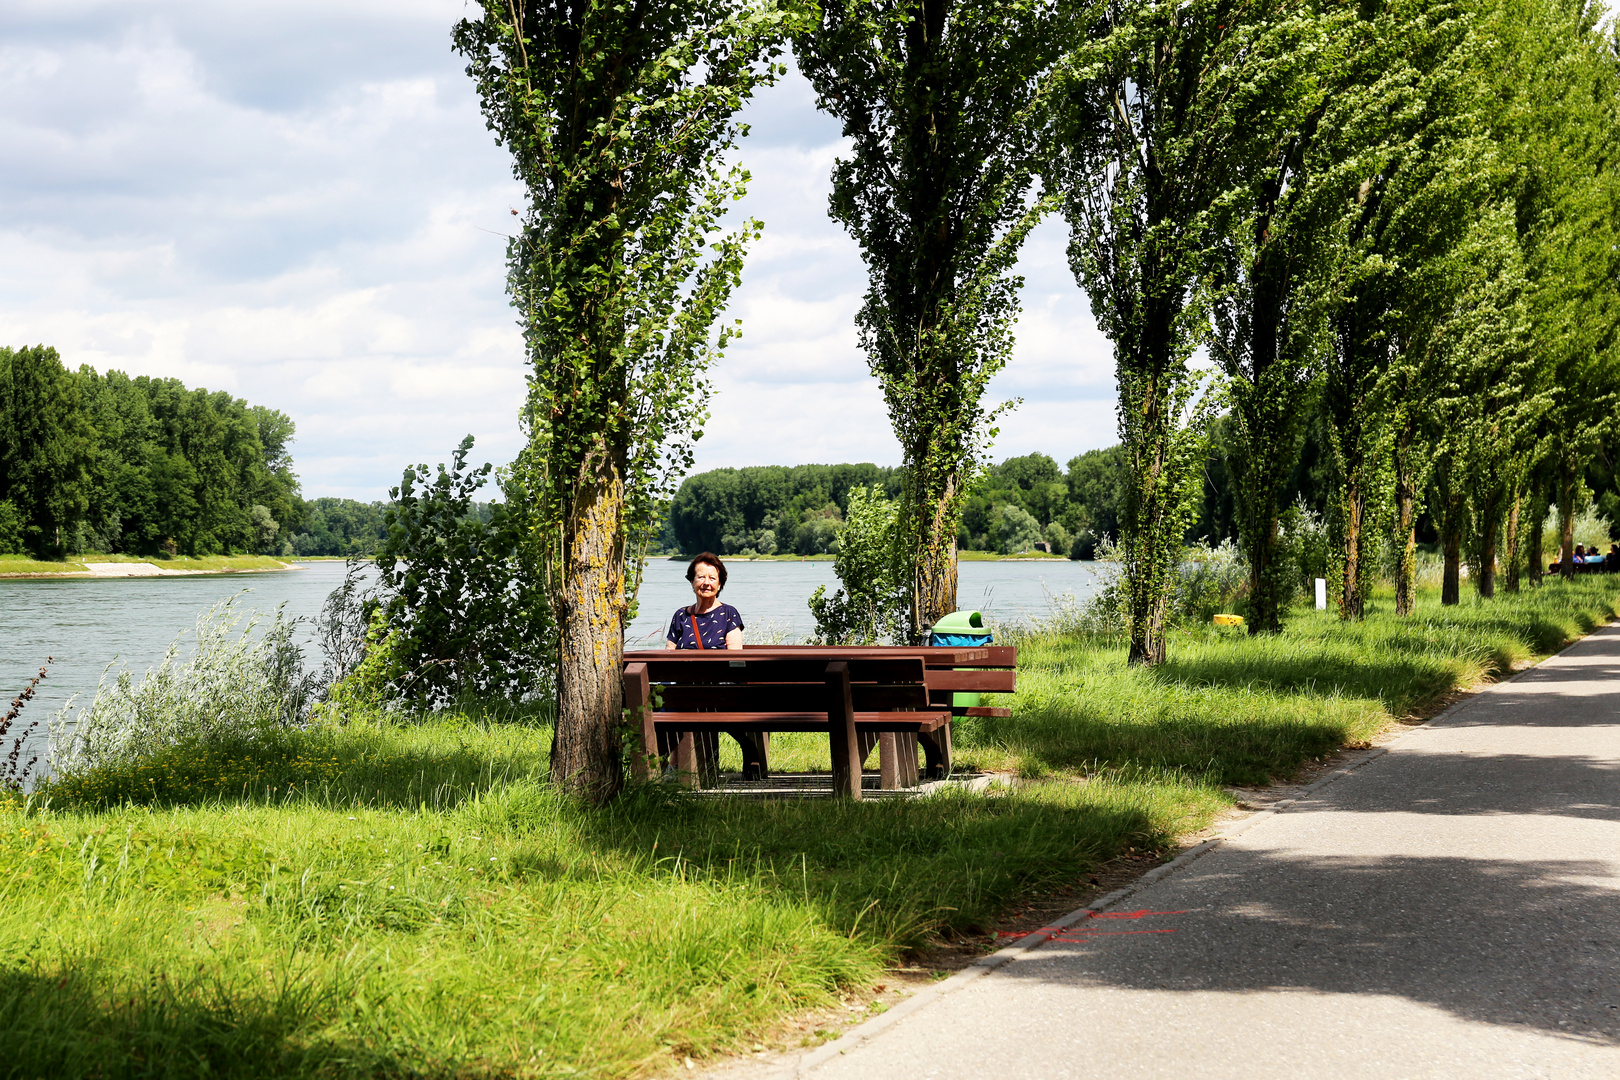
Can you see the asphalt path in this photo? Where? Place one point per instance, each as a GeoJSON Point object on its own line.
{"type": "Point", "coordinates": [1449, 909]}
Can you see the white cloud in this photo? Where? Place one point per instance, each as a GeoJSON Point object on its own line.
{"type": "Point", "coordinates": [300, 204]}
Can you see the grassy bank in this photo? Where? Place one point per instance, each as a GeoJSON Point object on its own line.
{"type": "Point", "coordinates": [382, 900]}
{"type": "Point", "coordinates": [411, 899]}
{"type": "Point", "coordinates": [214, 564]}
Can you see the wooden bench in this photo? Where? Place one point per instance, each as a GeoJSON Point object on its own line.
{"type": "Point", "coordinates": [899, 697]}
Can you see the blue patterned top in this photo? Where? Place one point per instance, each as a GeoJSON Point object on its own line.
{"type": "Point", "coordinates": [714, 624]}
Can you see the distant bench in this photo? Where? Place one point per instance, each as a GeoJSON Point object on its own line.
{"type": "Point", "coordinates": [894, 698]}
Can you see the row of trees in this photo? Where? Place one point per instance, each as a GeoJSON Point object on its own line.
{"type": "Point", "coordinates": [1402, 211]}
{"type": "Point", "coordinates": [107, 463]}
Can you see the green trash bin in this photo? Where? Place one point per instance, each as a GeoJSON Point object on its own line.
{"type": "Point", "coordinates": [961, 628]}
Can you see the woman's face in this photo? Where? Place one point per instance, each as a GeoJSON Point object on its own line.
{"type": "Point", "coordinates": [705, 582]}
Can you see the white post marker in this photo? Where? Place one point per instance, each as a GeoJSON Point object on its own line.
{"type": "Point", "coordinates": [1321, 594]}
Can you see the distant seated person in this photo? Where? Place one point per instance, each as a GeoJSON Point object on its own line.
{"type": "Point", "coordinates": [706, 623]}
{"type": "Point", "coordinates": [1611, 561]}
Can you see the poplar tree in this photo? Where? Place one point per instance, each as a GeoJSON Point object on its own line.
{"type": "Point", "coordinates": [617, 114]}
{"type": "Point", "coordinates": [1418, 152]}
{"type": "Point", "coordinates": [936, 98]}
{"type": "Point", "coordinates": [1271, 280]}
{"type": "Point", "coordinates": [1143, 157]}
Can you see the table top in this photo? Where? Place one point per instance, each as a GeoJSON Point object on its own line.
{"type": "Point", "coordinates": [933, 654]}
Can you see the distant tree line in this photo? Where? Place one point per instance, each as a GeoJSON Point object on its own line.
{"type": "Point", "coordinates": [1025, 503]}
{"type": "Point", "coordinates": [114, 464]}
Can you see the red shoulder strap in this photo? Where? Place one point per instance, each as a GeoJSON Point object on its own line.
{"type": "Point", "coordinates": [695, 632]}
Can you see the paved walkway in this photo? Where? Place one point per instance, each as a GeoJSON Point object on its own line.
{"type": "Point", "coordinates": [1450, 909]}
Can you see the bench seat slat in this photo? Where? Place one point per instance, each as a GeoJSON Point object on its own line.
{"type": "Point", "coordinates": [792, 697]}
{"type": "Point", "coordinates": [985, 682]}
{"type": "Point", "coordinates": [796, 721]}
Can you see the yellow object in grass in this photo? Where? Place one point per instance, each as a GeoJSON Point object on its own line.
{"type": "Point", "coordinates": [1228, 620]}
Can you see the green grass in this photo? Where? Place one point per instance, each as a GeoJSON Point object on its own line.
{"type": "Point", "coordinates": [384, 899]}
{"type": "Point", "coordinates": [23, 564]}
{"type": "Point", "coordinates": [389, 898]}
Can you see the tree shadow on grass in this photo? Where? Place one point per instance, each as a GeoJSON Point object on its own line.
{"type": "Point", "coordinates": [1401, 682]}
{"type": "Point", "coordinates": [297, 766]}
{"type": "Point", "coordinates": [1228, 747]}
{"type": "Point", "coordinates": [69, 1024]}
{"type": "Point", "coordinates": [900, 870]}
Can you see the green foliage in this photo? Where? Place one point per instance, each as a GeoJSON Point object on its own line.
{"type": "Point", "coordinates": [111, 464]}
{"type": "Point", "coordinates": [619, 118]}
{"type": "Point", "coordinates": [728, 510]}
{"type": "Point", "coordinates": [340, 527]}
{"type": "Point", "coordinates": [1018, 531]}
{"type": "Point", "coordinates": [462, 600]}
{"type": "Point", "coordinates": [46, 453]}
{"type": "Point", "coordinates": [1141, 157]}
{"type": "Point", "coordinates": [935, 96]}
{"type": "Point", "coordinates": [871, 607]}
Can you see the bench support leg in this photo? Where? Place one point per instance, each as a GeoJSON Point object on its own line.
{"type": "Point", "coordinates": [846, 767]}
{"type": "Point", "coordinates": [697, 758]}
{"type": "Point", "coordinates": [897, 760]}
{"type": "Point", "coordinates": [638, 703]}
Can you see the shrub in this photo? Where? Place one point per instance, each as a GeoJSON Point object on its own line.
{"type": "Point", "coordinates": [243, 683]}
{"type": "Point", "coordinates": [461, 592]}
{"type": "Point", "coordinates": [871, 604]}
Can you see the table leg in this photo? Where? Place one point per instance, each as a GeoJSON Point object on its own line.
{"type": "Point", "coordinates": [846, 767]}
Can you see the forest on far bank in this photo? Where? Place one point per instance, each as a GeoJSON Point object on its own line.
{"type": "Point", "coordinates": [109, 464]}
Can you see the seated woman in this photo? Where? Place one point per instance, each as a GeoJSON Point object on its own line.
{"type": "Point", "coordinates": [706, 623]}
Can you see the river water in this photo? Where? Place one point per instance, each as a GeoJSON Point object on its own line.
{"type": "Point", "coordinates": [88, 623]}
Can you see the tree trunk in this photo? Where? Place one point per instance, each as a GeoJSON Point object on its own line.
{"type": "Point", "coordinates": [1536, 556]}
{"type": "Point", "coordinates": [1514, 542]}
{"type": "Point", "coordinates": [1451, 545]}
{"type": "Point", "coordinates": [1265, 593]}
{"type": "Point", "coordinates": [1485, 572]}
{"type": "Point", "coordinates": [1406, 544]}
{"type": "Point", "coordinates": [1566, 523]}
{"type": "Point", "coordinates": [934, 573]}
{"type": "Point", "coordinates": [1352, 603]}
{"type": "Point", "coordinates": [585, 756]}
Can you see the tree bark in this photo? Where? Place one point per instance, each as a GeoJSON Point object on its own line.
{"type": "Point", "coordinates": [1485, 572]}
{"type": "Point", "coordinates": [1406, 543]}
{"type": "Point", "coordinates": [1514, 543]}
{"type": "Point", "coordinates": [1451, 546]}
{"type": "Point", "coordinates": [1566, 522]}
{"type": "Point", "coordinates": [1536, 556]}
{"type": "Point", "coordinates": [1352, 604]}
{"type": "Point", "coordinates": [934, 572]}
{"type": "Point", "coordinates": [585, 756]}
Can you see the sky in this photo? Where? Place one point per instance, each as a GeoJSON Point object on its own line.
{"type": "Point", "coordinates": [298, 202]}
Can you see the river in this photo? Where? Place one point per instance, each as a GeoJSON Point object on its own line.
{"type": "Point", "coordinates": [88, 623]}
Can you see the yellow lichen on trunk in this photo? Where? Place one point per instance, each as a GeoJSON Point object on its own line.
{"type": "Point", "coordinates": [586, 755]}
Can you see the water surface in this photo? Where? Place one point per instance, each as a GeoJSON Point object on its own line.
{"type": "Point", "coordinates": [87, 623]}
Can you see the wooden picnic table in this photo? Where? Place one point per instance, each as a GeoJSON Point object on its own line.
{"type": "Point", "coordinates": [891, 697]}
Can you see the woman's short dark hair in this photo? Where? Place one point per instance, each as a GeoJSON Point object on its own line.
{"type": "Point", "coordinates": [713, 560]}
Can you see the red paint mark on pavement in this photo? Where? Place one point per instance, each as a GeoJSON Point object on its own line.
{"type": "Point", "coordinates": [1057, 933]}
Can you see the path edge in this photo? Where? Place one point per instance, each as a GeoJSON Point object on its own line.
{"type": "Point", "coordinates": [864, 1032]}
